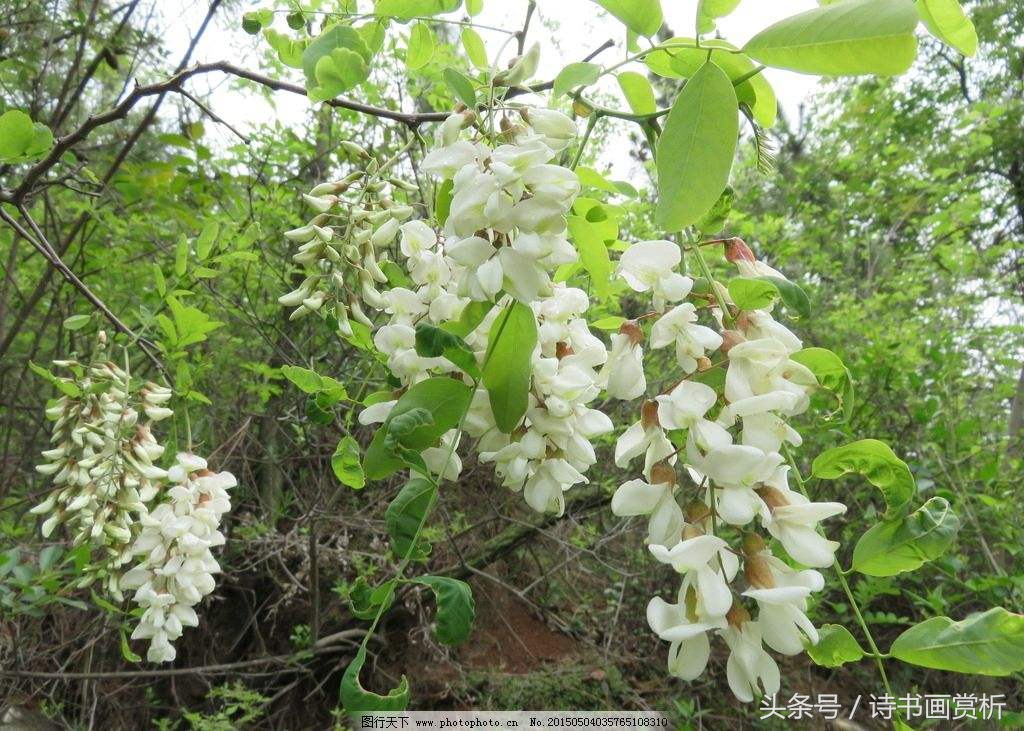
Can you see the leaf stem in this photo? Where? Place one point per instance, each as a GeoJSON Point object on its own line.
{"type": "Point", "coordinates": [591, 122]}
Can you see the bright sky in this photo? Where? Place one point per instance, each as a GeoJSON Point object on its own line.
{"type": "Point", "coordinates": [566, 29]}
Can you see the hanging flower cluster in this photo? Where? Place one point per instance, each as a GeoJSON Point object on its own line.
{"type": "Point", "coordinates": [734, 475]}
{"type": "Point", "coordinates": [102, 462]}
{"type": "Point", "coordinates": [502, 240]}
{"type": "Point", "coordinates": [355, 217]}
{"type": "Point", "coordinates": [112, 496]}
{"type": "Point", "coordinates": [176, 567]}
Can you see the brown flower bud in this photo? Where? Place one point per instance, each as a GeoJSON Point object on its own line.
{"type": "Point", "coordinates": [662, 473]}
{"type": "Point", "coordinates": [758, 573]}
{"type": "Point", "coordinates": [737, 615]}
{"type": "Point", "coordinates": [772, 497]}
{"type": "Point", "coordinates": [730, 338]}
{"type": "Point", "coordinates": [563, 350]}
{"type": "Point", "coordinates": [753, 544]}
{"type": "Point", "coordinates": [736, 250]}
{"type": "Point", "coordinates": [691, 531]}
{"type": "Point", "coordinates": [703, 364]}
{"type": "Point", "coordinates": [649, 414]}
{"type": "Point", "coordinates": [633, 330]}
{"type": "Point", "coordinates": [697, 512]}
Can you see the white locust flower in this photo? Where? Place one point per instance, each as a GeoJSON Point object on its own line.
{"type": "Point", "coordinates": [750, 670]}
{"type": "Point", "coordinates": [705, 563]}
{"type": "Point", "coordinates": [680, 625]}
{"type": "Point", "coordinates": [656, 499]}
{"type": "Point", "coordinates": [650, 266]}
{"type": "Point", "coordinates": [679, 327]}
{"type": "Point", "coordinates": [623, 374]}
{"type": "Point", "coordinates": [793, 520]}
{"type": "Point", "coordinates": [781, 594]}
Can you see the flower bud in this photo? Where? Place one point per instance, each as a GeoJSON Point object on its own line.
{"type": "Point", "coordinates": [649, 414]}
{"type": "Point", "coordinates": [353, 149]}
{"type": "Point", "coordinates": [729, 339]}
{"type": "Point", "coordinates": [697, 512]}
{"type": "Point", "coordinates": [633, 330]}
{"type": "Point", "coordinates": [737, 615]}
{"type": "Point", "coordinates": [753, 544]}
{"type": "Point", "coordinates": [662, 473]}
{"type": "Point", "coordinates": [772, 497]}
{"type": "Point", "coordinates": [758, 573]}
{"type": "Point", "coordinates": [737, 250]}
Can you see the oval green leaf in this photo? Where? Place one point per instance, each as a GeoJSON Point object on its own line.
{"type": "Point", "coordinates": [508, 365]}
{"type": "Point", "coordinates": [986, 643]}
{"type": "Point", "coordinates": [456, 609]}
{"type": "Point", "coordinates": [904, 544]}
{"type": "Point", "coordinates": [696, 148]}
{"type": "Point", "coordinates": [835, 647]}
{"type": "Point", "coordinates": [845, 39]}
{"type": "Point", "coordinates": [946, 20]}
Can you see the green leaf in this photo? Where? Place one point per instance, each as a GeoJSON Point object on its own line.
{"type": "Point", "coordinates": [681, 62]}
{"type": "Point", "coordinates": [455, 608]}
{"type": "Point", "coordinates": [831, 372]}
{"type": "Point", "coordinates": [443, 201]}
{"type": "Point", "coordinates": [876, 462]}
{"type": "Point", "coordinates": [472, 315]}
{"type": "Point", "coordinates": [421, 47]}
{"type": "Point", "coordinates": [696, 148]}
{"type": "Point", "coordinates": [507, 368]}
{"type": "Point", "coordinates": [445, 398]}
{"type": "Point", "coordinates": [752, 294]}
{"type": "Point", "coordinates": [126, 650]}
{"type": "Point", "coordinates": [433, 342]}
{"type": "Point", "coordinates": [374, 34]}
{"type": "Point", "coordinates": [345, 463]}
{"type": "Point", "coordinates": [289, 50]}
{"type": "Point", "coordinates": [335, 61]}
{"type": "Point", "coordinates": [904, 544]}
{"type": "Point", "coordinates": [475, 49]}
{"type": "Point", "coordinates": [76, 322]}
{"type": "Point", "coordinates": [474, 7]}
{"type": "Point", "coordinates": [611, 323]}
{"type": "Point", "coordinates": [254, 20]}
{"type": "Point", "coordinates": [365, 601]}
{"type": "Point", "coordinates": [64, 385]}
{"type": "Point", "coordinates": [21, 139]}
{"type": "Point", "coordinates": [708, 11]}
{"type": "Point", "coordinates": [356, 699]}
{"type": "Point", "coordinates": [159, 281]}
{"type": "Point", "coordinates": [574, 75]}
{"type": "Point", "coordinates": [406, 9]}
{"type": "Point", "coordinates": [641, 16]}
{"type": "Point", "coordinates": [638, 92]}
{"type": "Point", "coordinates": [714, 220]}
{"type": "Point", "coordinates": [835, 647]}
{"type": "Point", "coordinates": [205, 241]}
{"type": "Point", "coordinates": [946, 20]}
{"type": "Point", "coordinates": [181, 257]}
{"type": "Point", "coordinates": [985, 643]}
{"type": "Point", "coordinates": [793, 296]}
{"type": "Point", "coordinates": [405, 515]}
{"type": "Point", "coordinates": [462, 87]}
{"type": "Point", "coordinates": [593, 253]}
{"type": "Point", "coordinates": [308, 381]}
{"type": "Point", "coordinates": [846, 39]}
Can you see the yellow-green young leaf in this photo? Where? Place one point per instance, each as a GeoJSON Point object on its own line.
{"type": "Point", "coordinates": [835, 647]}
{"type": "Point", "coordinates": [205, 241]}
{"type": "Point", "coordinates": [289, 50]}
{"type": "Point", "coordinates": [638, 92]}
{"type": "Point", "coordinates": [345, 463]}
{"type": "Point", "coordinates": [474, 7]}
{"type": "Point", "coordinates": [904, 544]}
{"type": "Point", "coordinates": [507, 367]}
{"type": "Point", "coordinates": [308, 381]}
{"type": "Point", "coordinates": [476, 52]}
{"type": "Point", "coordinates": [695, 150]}
{"type": "Point", "coordinates": [335, 61]}
{"type": "Point", "coordinates": [708, 11]}
{"type": "Point", "coordinates": [846, 39]}
{"type": "Point", "coordinates": [573, 75]}
{"type": "Point", "coordinates": [640, 16]}
{"type": "Point", "coordinates": [986, 643]}
{"type": "Point", "coordinates": [181, 256]}
{"type": "Point", "coordinates": [159, 281]}
{"type": "Point", "coordinates": [752, 294]}
{"type": "Point", "coordinates": [831, 372]}
{"type": "Point", "coordinates": [683, 62]}
{"type": "Point", "coordinates": [76, 322]}
{"type": "Point", "coordinates": [407, 9]}
{"type": "Point", "coordinates": [946, 20]}
{"type": "Point", "coordinates": [876, 462]}
{"type": "Point", "coordinates": [21, 138]}
{"type": "Point", "coordinates": [455, 608]}
{"type": "Point", "coordinates": [373, 34]}
{"type": "Point", "coordinates": [612, 322]}
{"type": "Point", "coordinates": [356, 699]}
{"type": "Point", "coordinates": [593, 253]}
{"type": "Point", "coordinates": [420, 48]}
